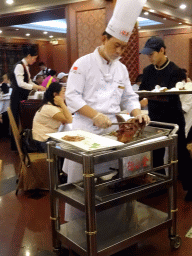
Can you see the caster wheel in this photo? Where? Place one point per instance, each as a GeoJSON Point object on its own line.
{"type": "Point", "coordinates": [175, 242]}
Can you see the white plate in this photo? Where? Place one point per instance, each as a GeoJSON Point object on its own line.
{"type": "Point", "coordinates": [92, 142]}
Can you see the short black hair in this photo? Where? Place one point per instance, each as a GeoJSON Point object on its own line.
{"type": "Point", "coordinates": [107, 35]}
{"type": "Point", "coordinates": [139, 78]}
{"type": "Point", "coordinates": [30, 50]}
{"type": "Point", "coordinates": [52, 72]}
{"type": "Point", "coordinates": [184, 70]}
{"type": "Point", "coordinates": [4, 88]}
{"type": "Point", "coordinates": [41, 64]}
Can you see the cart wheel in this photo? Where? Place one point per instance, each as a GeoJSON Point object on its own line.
{"type": "Point", "coordinates": [175, 242]}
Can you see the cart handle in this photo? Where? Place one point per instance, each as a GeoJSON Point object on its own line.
{"type": "Point", "coordinates": [174, 127]}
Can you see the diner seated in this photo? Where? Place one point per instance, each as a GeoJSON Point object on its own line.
{"type": "Point", "coordinates": [50, 78]}
{"type": "Point", "coordinates": [39, 79]}
{"type": "Point", "coordinates": [50, 115]}
{"type": "Point", "coordinates": [4, 104]}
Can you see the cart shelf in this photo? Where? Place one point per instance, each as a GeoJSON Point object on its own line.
{"type": "Point", "coordinates": [72, 195]}
{"type": "Point", "coordinates": [125, 234]}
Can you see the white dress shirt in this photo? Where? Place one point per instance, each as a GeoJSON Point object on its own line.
{"type": "Point", "coordinates": [19, 74]}
{"type": "Point", "coordinates": [186, 101]}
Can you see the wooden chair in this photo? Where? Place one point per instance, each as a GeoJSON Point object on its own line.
{"type": "Point", "coordinates": [1, 167]}
{"type": "Point", "coordinates": [37, 174]}
{"type": "Point", "coordinates": [28, 108]}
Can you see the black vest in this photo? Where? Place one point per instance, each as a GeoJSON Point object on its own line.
{"type": "Point", "coordinates": [19, 92]}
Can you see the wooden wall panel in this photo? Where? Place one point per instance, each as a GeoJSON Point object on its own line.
{"type": "Point", "coordinates": [72, 13]}
{"type": "Point", "coordinates": [60, 58]}
{"type": "Point", "coordinates": [90, 25]}
{"type": "Point", "coordinates": [190, 58]}
{"type": "Point", "coordinates": [177, 42]}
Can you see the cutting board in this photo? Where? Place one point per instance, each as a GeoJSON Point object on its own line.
{"type": "Point", "coordinates": [92, 142]}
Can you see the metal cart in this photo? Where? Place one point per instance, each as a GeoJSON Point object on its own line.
{"type": "Point", "coordinates": [97, 234]}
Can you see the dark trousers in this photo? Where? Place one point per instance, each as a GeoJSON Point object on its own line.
{"type": "Point", "coordinates": [184, 160]}
{"type": "Point", "coordinates": [15, 108]}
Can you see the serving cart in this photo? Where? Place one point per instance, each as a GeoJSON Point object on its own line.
{"type": "Point", "coordinates": [97, 233]}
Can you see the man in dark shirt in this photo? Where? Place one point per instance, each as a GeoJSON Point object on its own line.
{"type": "Point", "coordinates": [165, 73]}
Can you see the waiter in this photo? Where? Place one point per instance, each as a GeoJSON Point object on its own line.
{"type": "Point", "coordinates": [167, 109]}
{"type": "Point", "coordinates": [21, 80]}
{"type": "Point", "coordinates": [98, 85]}
{"type": "Point", "coordinates": [22, 84]}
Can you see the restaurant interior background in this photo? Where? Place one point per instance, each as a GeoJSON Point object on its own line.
{"type": "Point", "coordinates": [86, 20]}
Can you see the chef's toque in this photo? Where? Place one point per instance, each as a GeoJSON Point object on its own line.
{"type": "Point", "coordinates": [124, 18]}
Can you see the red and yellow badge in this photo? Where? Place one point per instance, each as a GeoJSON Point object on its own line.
{"type": "Point", "coordinates": [124, 33]}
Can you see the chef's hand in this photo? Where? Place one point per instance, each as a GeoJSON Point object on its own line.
{"type": "Point", "coordinates": [58, 101]}
{"type": "Point", "coordinates": [101, 121]}
{"type": "Point", "coordinates": [142, 118]}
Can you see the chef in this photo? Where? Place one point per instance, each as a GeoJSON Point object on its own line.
{"type": "Point", "coordinates": [98, 85]}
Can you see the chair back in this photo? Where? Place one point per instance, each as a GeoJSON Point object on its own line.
{"type": "Point", "coordinates": [1, 167]}
{"type": "Point", "coordinates": [15, 132]}
{"type": "Point", "coordinates": [28, 108]}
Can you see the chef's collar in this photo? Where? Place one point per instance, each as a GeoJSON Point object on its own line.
{"type": "Point", "coordinates": [104, 61]}
{"type": "Point", "coordinates": [104, 66]}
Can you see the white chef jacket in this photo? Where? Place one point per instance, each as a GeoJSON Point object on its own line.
{"type": "Point", "coordinates": [19, 75]}
{"type": "Point", "coordinates": [102, 86]}
{"type": "Point", "coordinates": [186, 102]}
{"type": "Point", "coordinates": [106, 88]}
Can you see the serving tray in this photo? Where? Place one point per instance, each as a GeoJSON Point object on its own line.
{"type": "Point", "coordinates": [168, 92]}
{"type": "Point", "coordinates": [92, 142]}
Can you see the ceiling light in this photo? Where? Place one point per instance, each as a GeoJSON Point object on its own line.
{"type": "Point", "coordinates": [59, 26]}
{"type": "Point", "coordinates": [147, 22]}
{"type": "Point", "coordinates": [9, 1]}
{"type": "Point", "coordinates": [45, 32]}
{"type": "Point", "coordinates": [146, 13]}
{"type": "Point", "coordinates": [182, 6]}
{"type": "Point", "coordinates": [180, 23]}
{"type": "Point", "coordinates": [1, 31]}
{"type": "Point", "coordinates": [51, 36]}
{"type": "Point", "coordinates": [151, 10]}
{"type": "Point", "coordinates": [164, 18]}
{"type": "Point", "coordinates": [27, 34]}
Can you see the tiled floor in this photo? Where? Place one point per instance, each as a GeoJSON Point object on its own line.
{"type": "Point", "coordinates": [25, 222]}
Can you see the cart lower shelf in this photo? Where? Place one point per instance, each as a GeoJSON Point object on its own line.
{"type": "Point", "coordinates": [114, 235]}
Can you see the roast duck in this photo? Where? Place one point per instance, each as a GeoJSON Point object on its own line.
{"type": "Point", "coordinates": [129, 130]}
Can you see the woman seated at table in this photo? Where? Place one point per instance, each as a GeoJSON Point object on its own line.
{"type": "Point", "coordinates": [50, 115]}
{"type": "Point", "coordinates": [52, 77]}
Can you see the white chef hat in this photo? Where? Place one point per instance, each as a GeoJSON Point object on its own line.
{"type": "Point", "coordinates": [61, 75]}
{"type": "Point", "coordinates": [124, 18]}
